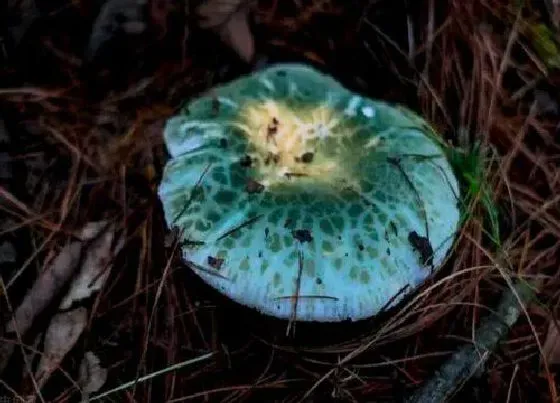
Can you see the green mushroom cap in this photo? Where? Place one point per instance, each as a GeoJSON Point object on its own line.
{"type": "Point", "coordinates": [304, 200]}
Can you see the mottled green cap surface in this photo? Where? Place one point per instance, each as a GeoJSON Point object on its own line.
{"type": "Point", "coordinates": [304, 200]}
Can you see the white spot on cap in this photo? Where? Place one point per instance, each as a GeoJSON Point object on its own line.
{"type": "Point", "coordinates": [282, 171]}
{"type": "Point", "coordinates": [352, 105]}
{"type": "Point", "coordinates": [229, 102]}
{"type": "Point", "coordinates": [292, 88]}
{"type": "Point", "coordinates": [267, 83]}
{"type": "Point", "coordinates": [368, 111]}
{"type": "Point", "coordinates": [374, 142]}
{"type": "Point", "coordinates": [322, 131]}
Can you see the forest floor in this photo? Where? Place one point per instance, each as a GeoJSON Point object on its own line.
{"type": "Point", "coordinates": [103, 305]}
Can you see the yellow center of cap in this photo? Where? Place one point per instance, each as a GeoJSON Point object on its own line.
{"type": "Point", "coordinates": [286, 141]}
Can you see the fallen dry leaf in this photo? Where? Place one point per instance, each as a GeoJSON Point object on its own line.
{"type": "Point", "coordinates": [229, 20]}
{"type": "Point", "coordinates": [551, 348]}
{"type": "Point", "coordinates": [94, 270]}
{"type": "Point", "coordinates": [46, 287]}
{"type": "Point", "coordinates": [115, 17]}
{"type": "Point", "coordinates": [65, 328]}
{"type": "Point", "coordinates": [50, 282]}
{"type": "Point", "coordinates": [553, 8]}
{"type": "Point", "coordinates": [40, 295]}
{"type": "Point", "coordinates": [217, 12]}
{"type": "Point", "coordinates": [63, 332]}
{"type": "Point", "coordinates": [92, 375]}
{"type": "Point", "coordinates": [90, 230]}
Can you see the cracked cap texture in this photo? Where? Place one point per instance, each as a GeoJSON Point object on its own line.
{"type": "Point", "coordinates": [304, 200]}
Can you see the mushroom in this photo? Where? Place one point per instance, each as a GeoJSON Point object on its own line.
{"type": "Point", "coordinates": [304, 200]}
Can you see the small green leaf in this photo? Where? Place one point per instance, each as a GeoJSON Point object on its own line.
{"type": "Point", "coordinates": [469, 164]}
{"type": "Point", "coordinates": [545, 44]}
